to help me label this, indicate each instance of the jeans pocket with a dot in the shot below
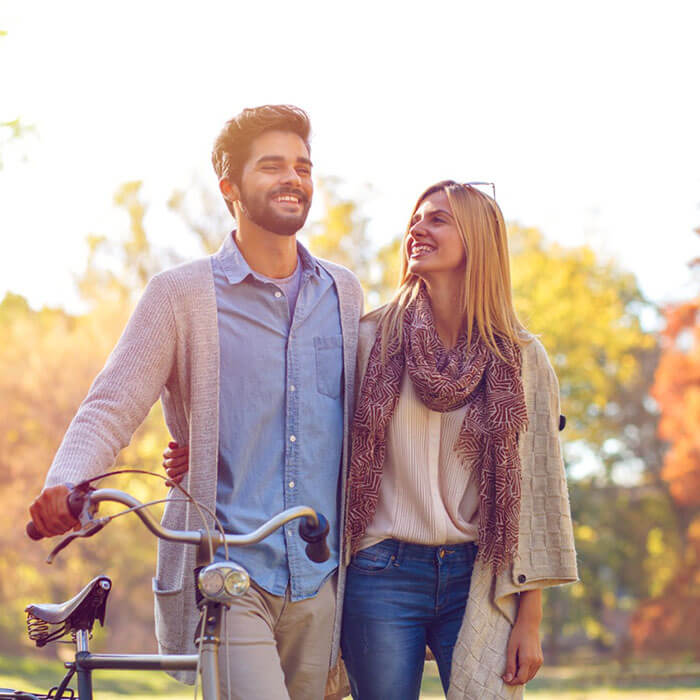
(329, 364)
(373, 560)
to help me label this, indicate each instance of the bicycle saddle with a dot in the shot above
(78, 613)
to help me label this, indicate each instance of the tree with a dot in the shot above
(47, 361)
(586, 309)
(47, 364)
(669, 621)
(203, 213)
(341, 232)
(117, 270)
(14, 130)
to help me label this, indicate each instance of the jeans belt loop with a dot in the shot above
(399, 552)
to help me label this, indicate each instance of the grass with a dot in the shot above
(604, 682)
(608, 682)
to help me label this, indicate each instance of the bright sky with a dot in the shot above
(585, 115)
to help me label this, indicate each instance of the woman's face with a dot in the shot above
(433, 245)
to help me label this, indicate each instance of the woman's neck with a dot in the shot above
(444, 299)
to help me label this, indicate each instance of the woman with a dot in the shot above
(456, 418)
(458, 513)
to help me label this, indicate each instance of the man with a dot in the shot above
(253, 354)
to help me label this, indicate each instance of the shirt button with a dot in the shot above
(290, 532)
(292, 438)
(278, 294)
(291, 484)
(292, 388)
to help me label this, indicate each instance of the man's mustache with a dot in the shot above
(300, 194)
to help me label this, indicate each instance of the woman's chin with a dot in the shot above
(416, 266)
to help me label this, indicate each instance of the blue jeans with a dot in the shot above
(398, 598)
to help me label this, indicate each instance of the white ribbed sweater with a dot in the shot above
(426, 495)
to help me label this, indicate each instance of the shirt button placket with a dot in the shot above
(292, 425)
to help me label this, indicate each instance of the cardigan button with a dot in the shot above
(522, 578)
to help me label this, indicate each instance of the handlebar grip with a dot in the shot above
(317, 547)
(75, 501)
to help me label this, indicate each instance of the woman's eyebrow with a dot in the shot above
(431, 212)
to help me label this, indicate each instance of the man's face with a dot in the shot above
(276, 187)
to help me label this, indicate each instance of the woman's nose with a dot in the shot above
(417, 230)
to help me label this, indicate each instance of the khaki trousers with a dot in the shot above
(277, 649)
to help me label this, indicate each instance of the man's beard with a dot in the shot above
(260, 210)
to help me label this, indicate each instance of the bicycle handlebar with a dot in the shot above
(313, 528)
(75, 500)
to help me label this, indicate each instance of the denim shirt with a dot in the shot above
(280, 415)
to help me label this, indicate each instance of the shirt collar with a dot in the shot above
(236, 267)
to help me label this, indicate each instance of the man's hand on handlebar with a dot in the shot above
(50, 513)
(176, 461)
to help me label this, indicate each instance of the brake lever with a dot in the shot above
(80, 496)
(92, 527)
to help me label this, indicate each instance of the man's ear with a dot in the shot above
(229, 190)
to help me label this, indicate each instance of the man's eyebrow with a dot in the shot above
(281, 159)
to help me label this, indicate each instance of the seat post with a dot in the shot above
(84, 674)
(82, 640)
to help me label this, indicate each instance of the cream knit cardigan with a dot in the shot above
(546, 554)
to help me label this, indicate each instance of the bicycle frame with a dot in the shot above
(209, 632)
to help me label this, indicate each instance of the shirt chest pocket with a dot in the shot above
(329, 364)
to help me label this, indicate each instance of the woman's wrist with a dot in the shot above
(530, 609)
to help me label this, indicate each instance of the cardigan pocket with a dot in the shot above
(169, 614)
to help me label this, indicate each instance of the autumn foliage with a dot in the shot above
(677, 391)
(670, 621)
(636, 540)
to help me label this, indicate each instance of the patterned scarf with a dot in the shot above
(444, 380)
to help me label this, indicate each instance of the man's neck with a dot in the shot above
(268, 253)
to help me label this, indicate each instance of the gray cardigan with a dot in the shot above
(170, 348)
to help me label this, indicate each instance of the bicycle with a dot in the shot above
(218, 584)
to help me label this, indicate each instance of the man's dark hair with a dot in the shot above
(232, 145)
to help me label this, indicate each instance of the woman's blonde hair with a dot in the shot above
(485, 297)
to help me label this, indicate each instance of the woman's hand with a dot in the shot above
(524, 653)
(176, 461)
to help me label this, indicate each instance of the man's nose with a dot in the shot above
(291, 176)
